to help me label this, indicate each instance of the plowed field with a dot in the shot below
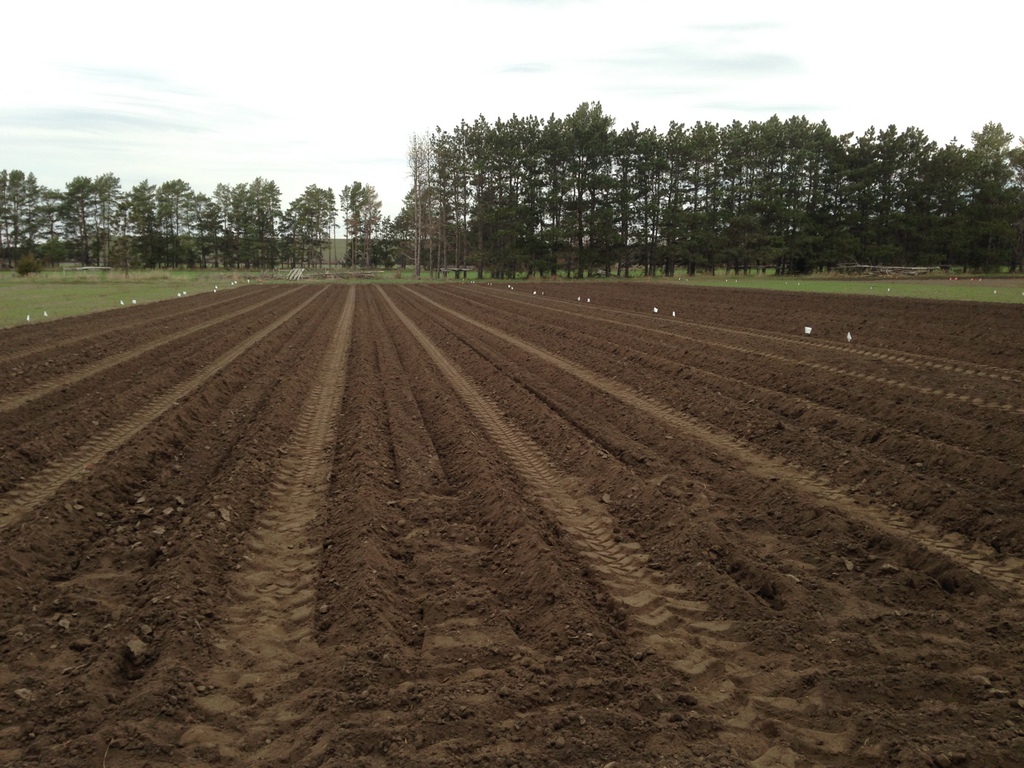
(474, 525)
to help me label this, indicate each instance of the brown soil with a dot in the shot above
(471, 525)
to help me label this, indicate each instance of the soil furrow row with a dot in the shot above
(845, 443)
(268, 635)
(56, 340)
(32, 492)
(757, 464)
(743, 549)
(910, 359)
(960, 343)
(998, 441)
(423, 624)
(844, 432)
(836, 579)
(845, 437)
(137, 553)
(735, 494)
(958, 468)
(513, 530)
(18, 399)
(669, 625)
(898, 384)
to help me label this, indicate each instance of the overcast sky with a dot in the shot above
(308, 92)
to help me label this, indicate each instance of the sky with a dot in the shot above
(306, 92)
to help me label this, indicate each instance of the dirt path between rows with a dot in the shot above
(268, 627)
(460, 525)
(1005, 574)
(42, 486)
(670, 622)
(13, 402)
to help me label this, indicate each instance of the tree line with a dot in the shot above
(94, 222)
(575, 194)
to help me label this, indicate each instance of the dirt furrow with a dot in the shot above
(819, 491)
(842, 432)
(35, 490)
(668, 617)
(953, 392)
(955, 465)
(528, 537)
(945, 332)
(835, 439)
(58, 337)
(18, 399)
(628, 344)
(139, 551)
(267, 636)
(438, 584)
(831, 586)
(679, 469)
(909, 359)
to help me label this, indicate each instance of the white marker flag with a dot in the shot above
(807, 330)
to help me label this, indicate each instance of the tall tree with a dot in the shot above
(420, 157)
(589, 136)
(308, 223)
(452, 189)
(21, 200)
(264, 215)
(208, 217)
(141, 221)
(174, 211)
(361, 208)
(78, 216)
(225, 199)
(108, 193)
(994, 200)
(1017, 164)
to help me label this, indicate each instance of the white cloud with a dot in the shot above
(305, 93)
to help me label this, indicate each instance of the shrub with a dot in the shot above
(28, 264)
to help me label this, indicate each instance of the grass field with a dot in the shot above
(61, 293)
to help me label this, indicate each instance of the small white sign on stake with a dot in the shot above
(807, 330)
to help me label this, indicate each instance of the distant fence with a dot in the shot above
(880, 269)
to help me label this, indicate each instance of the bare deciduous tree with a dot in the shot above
(421, 161)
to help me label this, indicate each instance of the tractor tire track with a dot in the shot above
(12, 402)
(36, 490)
(669, 620)
(268, 634)
(818, 492)
(913, 361)
(71, 339)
